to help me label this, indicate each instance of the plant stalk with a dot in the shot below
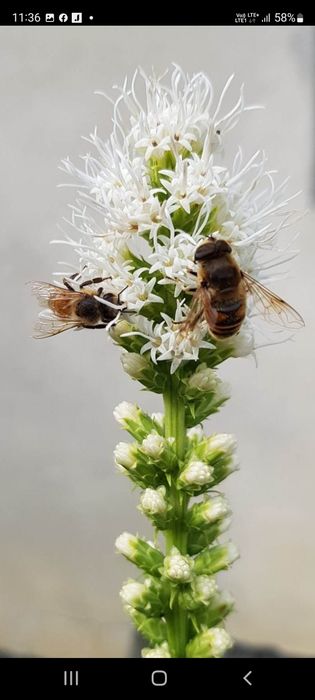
(176, 536)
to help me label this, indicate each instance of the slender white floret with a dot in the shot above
(151, 193)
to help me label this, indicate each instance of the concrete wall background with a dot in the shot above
(61, 502)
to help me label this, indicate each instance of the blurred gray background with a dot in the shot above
(62, 504)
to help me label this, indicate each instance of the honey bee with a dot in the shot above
(67, 308)
(221, 295)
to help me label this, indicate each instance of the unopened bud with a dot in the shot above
(211, 643)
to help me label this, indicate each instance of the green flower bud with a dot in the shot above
(155, 507)
(134, 593)
(135, 421)
(220, 444)
(218, 608)
(126, 412)
(177, 567)
(152, 628)
(140, 552)
(159, 652)
(215, 558)
(150, 597)
(206, 380)
(153, 445)
(198, 593)
(153, 501)
(195, 434)
(125, 455)
(134, 364)
(158, 418)
(119, 329)
(195, 475)
(211, 643)
(209, 511)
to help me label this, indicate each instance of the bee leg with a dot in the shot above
(121, 291)
(94, 280)
(66, 284)
(100, 325)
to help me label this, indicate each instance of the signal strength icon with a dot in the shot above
(267, 18)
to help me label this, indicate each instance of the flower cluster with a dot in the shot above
(186, 580)
(151, 193)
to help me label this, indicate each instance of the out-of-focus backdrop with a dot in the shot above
(61, 502)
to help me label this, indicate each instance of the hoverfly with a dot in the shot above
(221, 295)
(67, 308)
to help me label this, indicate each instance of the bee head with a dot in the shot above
(212, 248)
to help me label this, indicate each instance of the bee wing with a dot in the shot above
(46, 292)
(210, 313)
(271, 306)
(49, 324)
(201, 307)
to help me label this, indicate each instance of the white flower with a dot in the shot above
(140, 293)
(133, 592)
(153, 445)
(126, 411)
(196, 473)
(126, 544)
(177, 567)
(151, 192)
(153, 502)
(158, 652)
(124, 455)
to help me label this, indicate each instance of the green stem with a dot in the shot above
(176, 536)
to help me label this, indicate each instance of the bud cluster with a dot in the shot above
(185, 579)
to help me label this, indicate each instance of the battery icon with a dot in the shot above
(300, 18)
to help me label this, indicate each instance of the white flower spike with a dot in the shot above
(170, 233)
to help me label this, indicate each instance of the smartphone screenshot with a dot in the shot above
(157, 442)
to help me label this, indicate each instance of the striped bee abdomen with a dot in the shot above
(230, 316)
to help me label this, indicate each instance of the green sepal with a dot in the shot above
(152, 628)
